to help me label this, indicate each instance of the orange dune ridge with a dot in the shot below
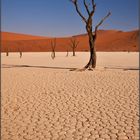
(15, 36)
(107, 40)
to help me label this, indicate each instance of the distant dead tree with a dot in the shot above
(73, 44)
(67, 52)
(20, 52)
(7, 52)
(90, 9)
(53, 46)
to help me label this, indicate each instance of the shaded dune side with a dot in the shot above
(107, 40)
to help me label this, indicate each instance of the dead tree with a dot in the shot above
(73, 44)
(92, 36)
(53, 46)
(7, 52)
(20, 52)
(67, 52)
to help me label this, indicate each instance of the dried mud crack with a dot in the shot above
(63, 105)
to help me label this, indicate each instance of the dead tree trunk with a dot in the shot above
(73, 43)
(20, 54)
(73, 50)
(20, 51)
(7, 52)
(92, 37)
(53, 46)
(92, 60)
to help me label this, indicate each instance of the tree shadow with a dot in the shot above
(29, 66)
(121, 68)
(70, 69)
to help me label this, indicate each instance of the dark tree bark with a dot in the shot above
(73, 44)
(53, 46)
(7, 52)
(20, 54)
(92, 36)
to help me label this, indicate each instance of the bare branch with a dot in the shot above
(89, 21)
(102, 20)
(76, 44)
(93, 8)
(73, 1)
(93, 3)
(73, 42)
(78, 11)
(86, 6)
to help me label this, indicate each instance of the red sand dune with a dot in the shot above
(15, 36)
(107, 40)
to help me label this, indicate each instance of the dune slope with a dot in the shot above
(7, 36)
(107, 40)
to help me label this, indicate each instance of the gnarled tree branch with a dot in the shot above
(93, 8)
(78, 11)
(102, 20)
(86, 6)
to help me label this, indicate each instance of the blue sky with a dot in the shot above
(59, 18)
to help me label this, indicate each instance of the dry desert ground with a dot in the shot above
(41, 99)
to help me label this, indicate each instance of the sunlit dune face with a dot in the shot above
(15, 36)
